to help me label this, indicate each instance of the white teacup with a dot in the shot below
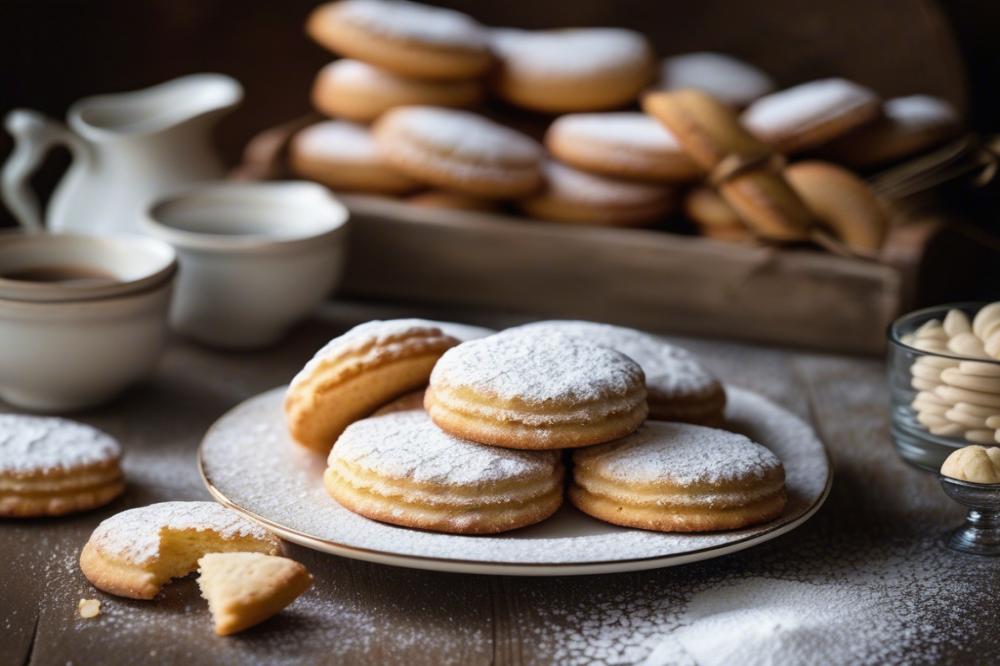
(81, 317)
(255, 258)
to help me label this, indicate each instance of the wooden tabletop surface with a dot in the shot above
(875, 545)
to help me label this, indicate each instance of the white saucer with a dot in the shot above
(249, 463)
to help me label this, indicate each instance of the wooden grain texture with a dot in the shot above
(881, 513)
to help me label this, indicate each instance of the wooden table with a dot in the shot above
(879, 535)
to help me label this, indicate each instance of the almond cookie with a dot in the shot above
(811, 114)
(909, 125)
(728, 79)
(620, 145)
(574, 69)
(677, 477)
(402, 469)
(571, 195)
(51, 466)
(136, 552)
(459, 151)
(357, 91)
(343, 156)
(407, 38)
(244, 589)
(536, 390)
(679, 387)
(357, 372)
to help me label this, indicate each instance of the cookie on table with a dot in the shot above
(811, 114)
(572, 195)
(244, 589)
(536, 390)
(459, 151)
(714, 217)
(678, 477)
(728, 79)
(909, 125)
(628, 145)
(51, 467)
(679, 387)
(357, 372)
(135, 552)
(354, 90)
(407, 38)
(441, 199)
(402, 469)
(573, 69)
(343, 156)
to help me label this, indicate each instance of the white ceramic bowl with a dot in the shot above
(254, 257)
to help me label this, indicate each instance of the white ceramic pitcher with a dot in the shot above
(128, 149)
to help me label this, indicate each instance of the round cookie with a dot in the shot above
(728, 79)
(357, 372)
(714, 217)
(402, 469)
(343, 156)
(571, 195)
(357, 91)
(620, 145)
(441, 199)
(536, 390)
(135, 552)
(51, 467)
(407, 38)
(677, 477)
(574, 69)
(811, 114)
(459, 151)
(678, 386)
(974, 464)
(909, 125)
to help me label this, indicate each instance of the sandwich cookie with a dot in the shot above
(728, 79)
(677, 477)
(536, 390)
(407, 38)
(402, 469)
(52, 466)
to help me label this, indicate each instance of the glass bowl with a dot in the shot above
(926, 425)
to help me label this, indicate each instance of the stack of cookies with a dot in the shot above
(471, 433)
(711, 141)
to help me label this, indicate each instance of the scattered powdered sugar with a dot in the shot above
(565, 182)
(806, 105)
(401, 19)
(670, 370)
(682, 454)
(631, 130)
(571, 51)
(407, 445)
(537, 367)
(726, 78)
(31, 444)
(134, 535)
(920, 112)
(339, 140)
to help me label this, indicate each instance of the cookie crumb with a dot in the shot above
(89, 608)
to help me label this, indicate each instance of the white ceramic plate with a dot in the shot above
(249, 463)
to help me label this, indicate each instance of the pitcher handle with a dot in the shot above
(34, 136)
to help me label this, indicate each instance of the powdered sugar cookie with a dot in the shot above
(676, 477)
(811, 114)
(357, 91)
(536, 390)
(459, 151)
(575, 69)
(728, 79)
(359, 371)
(571, 195)
(452, 201)
(51, 466)
(679, 387)
(403, 37)
(402, 469)
(343, 156)
(909, 125)
(135, 552)
(620, 145)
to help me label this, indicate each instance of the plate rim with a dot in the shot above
(458, 565)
